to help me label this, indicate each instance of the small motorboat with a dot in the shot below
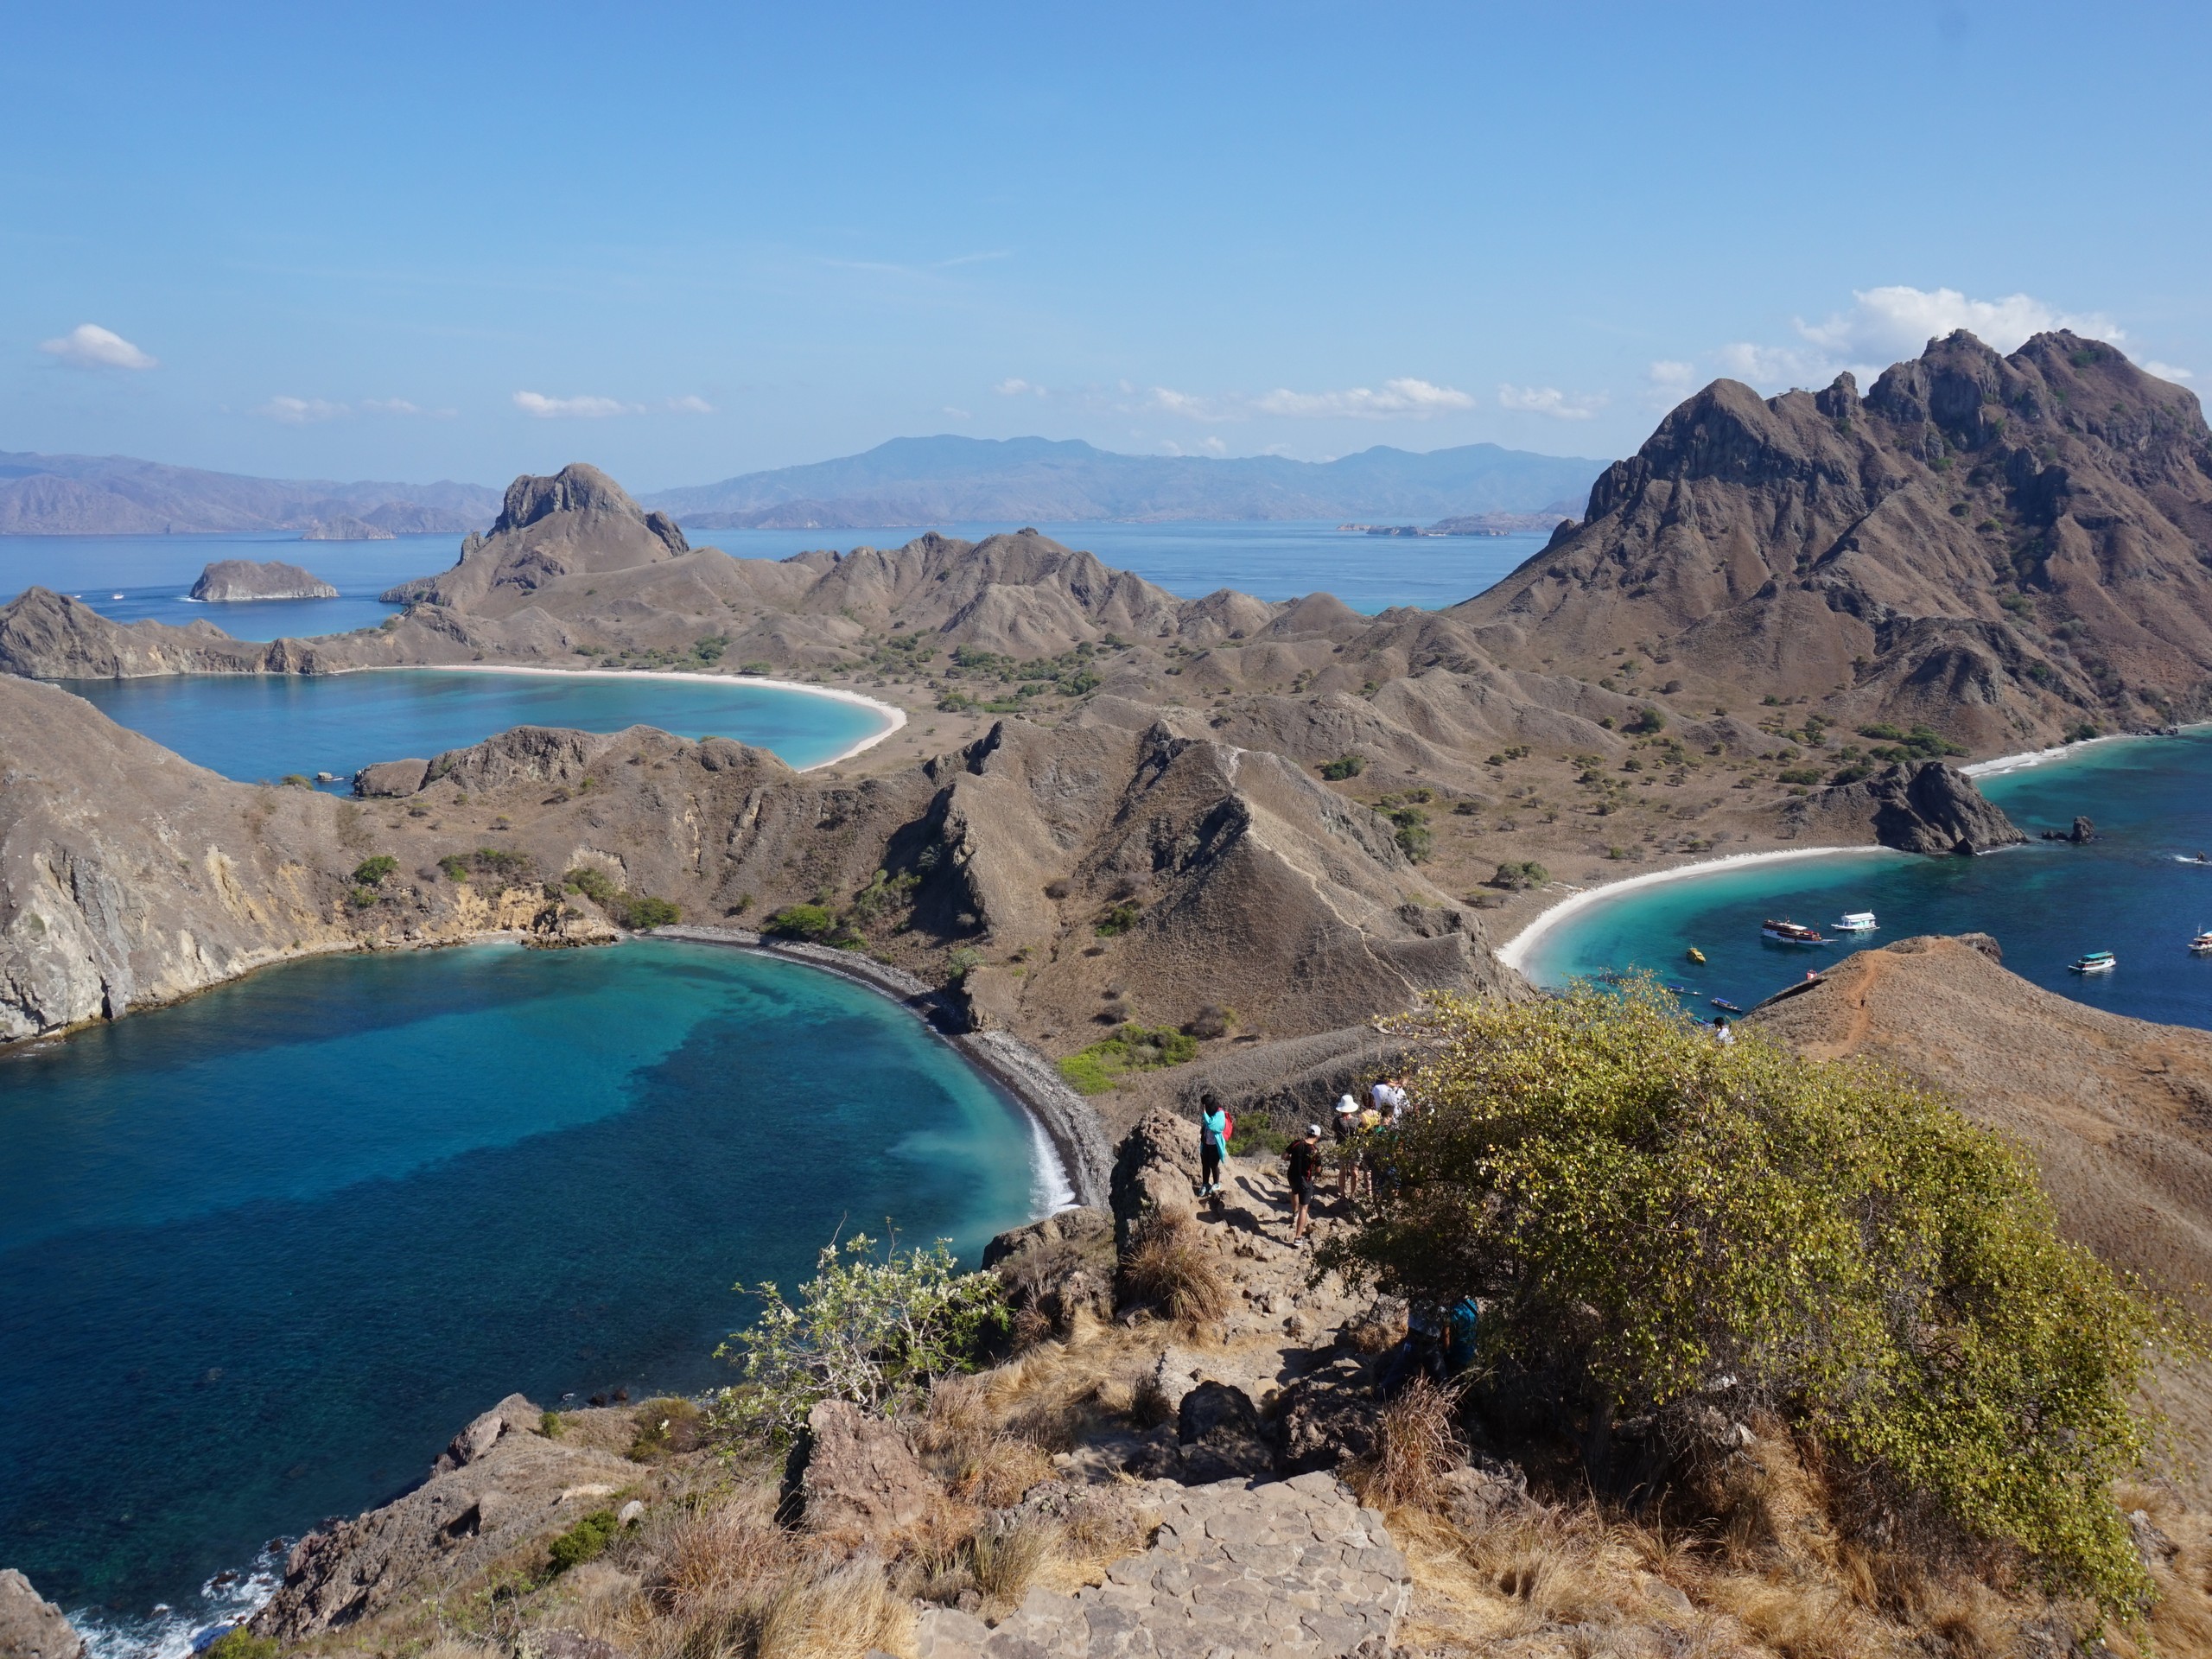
(1855, 921)
(1789, 933)
(1724, 1005)
(2094, 962)
(2202, 944)
(1695, 956)
(1680, 991)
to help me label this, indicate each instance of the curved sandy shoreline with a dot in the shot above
(895, 716)
(1514, 952)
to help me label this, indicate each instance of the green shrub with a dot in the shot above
(666, 1427)
(595, 885)
(587, 1540)
(454, 866)
(1516, 877)
(242, 1643)
(1652, 1212)
(1255, 1133)
(1921, 743)
(372, 870)
(963, 961)
(1800, 775)
(1343, 766)
(873, 1331)
(2081, 734)
(363, 898)
(814, 923)
(1132, 1047)
(550, 1425)
(1648, 720)
(641, 911)
(297, 780)
(1118, 920)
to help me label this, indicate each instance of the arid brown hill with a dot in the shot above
(2007, 548)
(1126, 872)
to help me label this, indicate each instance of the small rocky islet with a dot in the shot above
(1262, 826)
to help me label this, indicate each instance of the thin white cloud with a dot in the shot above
(1774, 366)
(1405, 398)
(959, 413)
(301, 411)
(1210, 445)
(582, 408)
(2167, 372)
(1015, 386)
(389, 406)
(1551, 401)
(1670, 376)
(88, 345)
(985, 258)
(691, 405)
(1885, 324)
(1168, 401)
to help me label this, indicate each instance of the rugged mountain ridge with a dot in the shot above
(952, 479)
(2007, 547)
(115, 495)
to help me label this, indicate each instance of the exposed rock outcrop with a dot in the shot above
(1057, 1268)
(1917, 807)
(519, 1487)
(226, 580)
(32, 1627)
(861, 1478)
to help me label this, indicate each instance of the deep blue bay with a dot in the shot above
(2133, 891)
(262, 1252)
(260, 727)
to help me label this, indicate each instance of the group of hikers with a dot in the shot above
(1361, 1144)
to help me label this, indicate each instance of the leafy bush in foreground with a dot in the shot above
(874, 1331)
(1654, 1213)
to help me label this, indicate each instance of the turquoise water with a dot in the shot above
(255, 726)
(2129, 891)
(1270, 561)
(262, 1253)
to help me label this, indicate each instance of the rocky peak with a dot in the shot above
(579, 488)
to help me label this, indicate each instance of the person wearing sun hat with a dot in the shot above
(1345, 1124)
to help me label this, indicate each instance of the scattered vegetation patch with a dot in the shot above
(1518, 877)
(666, 1428)
(1169, 1267)
(816, 923)
(243, 1643)
(1921, 743)
(1131, 1047)
(1214, 1020)
(371, 872)
(635, 911)
(1345, 765)
(1119, 918)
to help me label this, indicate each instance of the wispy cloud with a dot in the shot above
(2167, 372)
(1015, 386)
(1551, 401)
(301, 411)
(88, 345)
(985, 258)
(400, 406)
(581, 407)
(959, 413)
(1210, 445)
(1885, 325)
(691, 405)
(1402, 399)
(1670, 375)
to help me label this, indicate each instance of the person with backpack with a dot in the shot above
(1303, 1159)
(1215, 1127)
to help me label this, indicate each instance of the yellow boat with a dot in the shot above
(1696, 956)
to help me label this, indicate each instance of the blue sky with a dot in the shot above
(414, 241)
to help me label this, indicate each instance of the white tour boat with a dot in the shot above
(1855, 921)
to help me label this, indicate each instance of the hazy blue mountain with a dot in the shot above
(950, 479)
(114, 495)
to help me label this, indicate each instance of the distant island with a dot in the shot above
(227, 580)
(115, 495)
(346, 529)
(1478, 524)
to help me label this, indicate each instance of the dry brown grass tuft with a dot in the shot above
(1797, 1617)
(1416, 1443)
(1007, 1560)
(1170, 1267)
(836, 1610)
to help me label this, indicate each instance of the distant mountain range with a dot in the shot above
(949, 481)
(908, 482)
(114, 495)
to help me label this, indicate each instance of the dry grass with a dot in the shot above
(1416, 1443)
(1170, 1267)
(835, 1611)
(1007, 1560)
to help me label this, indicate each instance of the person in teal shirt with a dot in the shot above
(1213, 1145)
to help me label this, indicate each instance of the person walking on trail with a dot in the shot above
(1302, 1156)
(1721, 1034)
(1343, 1134)
(1213, 1145)
(1390, 1097)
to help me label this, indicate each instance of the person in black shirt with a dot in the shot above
(1302, 1157)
